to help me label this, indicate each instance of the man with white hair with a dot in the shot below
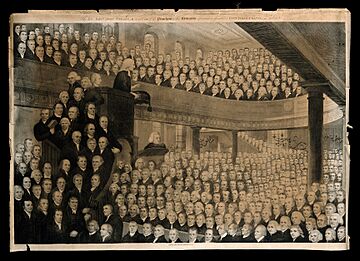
(96, 79)
(123, 79)
(72, 149)
(41, 129)
(63, 136)
(21, 49)
(174, 236)
(74, 81)
(64, 100)
(260, 233)
(133, 236)
(159, 234)
(90, 92)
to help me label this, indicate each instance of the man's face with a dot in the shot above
(58, 216)
(39, 51)
(17, 29)
(37, 151)
(107, 210)
(132, 227)
(340, 196)
(313, 237)
(321, 221)
(73, 113)
(73, 204)
(182, 77)
(95, 181)
(57, 56)
(44, 204)
(91, 227)
(78, 94)
(18, 193)
(23, 36)
(65, 124)
(21, 48)
(47, 185)
(147, 229)
(104, 122)
(57, 197)
(150, 71)
(157, 139)
(22, 168)
(188, 85)
(102, 143)
(78, 181)
(91, 109)
(174, 81)
(96, 162)
(31, 45)
(28, 206)
(18, 158)
(91, 144)
(73, 59)
(47, 39)
(34, 164)
(82, 162)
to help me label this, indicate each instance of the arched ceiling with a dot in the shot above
(218, 36)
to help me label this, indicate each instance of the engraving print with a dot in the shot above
(138, 129)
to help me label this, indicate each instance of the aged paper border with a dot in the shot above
(171, 16)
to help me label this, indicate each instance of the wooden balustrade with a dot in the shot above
(38, 85)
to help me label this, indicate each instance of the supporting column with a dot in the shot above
(180, 137)
(196, 140)
(122, 33)
(135, 147)
(136, 127)
(234, 144)
(315, 114)
(344, 147)
(188, 138)
(170, 135)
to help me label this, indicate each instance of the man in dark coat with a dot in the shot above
(74, 220)
(133, 236)
(25, 224)
(159, 234)
(72, 149)
(147, 233)
(56, 229)
(123, 80)
(114, 221)
(92, 234)
(42, 131)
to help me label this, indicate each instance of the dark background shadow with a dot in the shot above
(21, 6)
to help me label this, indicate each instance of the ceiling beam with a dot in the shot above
(289, 44)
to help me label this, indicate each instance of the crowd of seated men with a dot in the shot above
(92, 195)
(252, 74)
(83, 138)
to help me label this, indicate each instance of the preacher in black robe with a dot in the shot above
(123, 80)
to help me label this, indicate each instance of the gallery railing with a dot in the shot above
(38, 85)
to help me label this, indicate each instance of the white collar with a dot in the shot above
(261, 238)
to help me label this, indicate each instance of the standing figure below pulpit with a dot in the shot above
(155, 147)
(154, 151)
(155, 144)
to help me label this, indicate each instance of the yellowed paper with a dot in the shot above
(269, 144)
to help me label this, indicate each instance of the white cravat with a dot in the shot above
(58, 224)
